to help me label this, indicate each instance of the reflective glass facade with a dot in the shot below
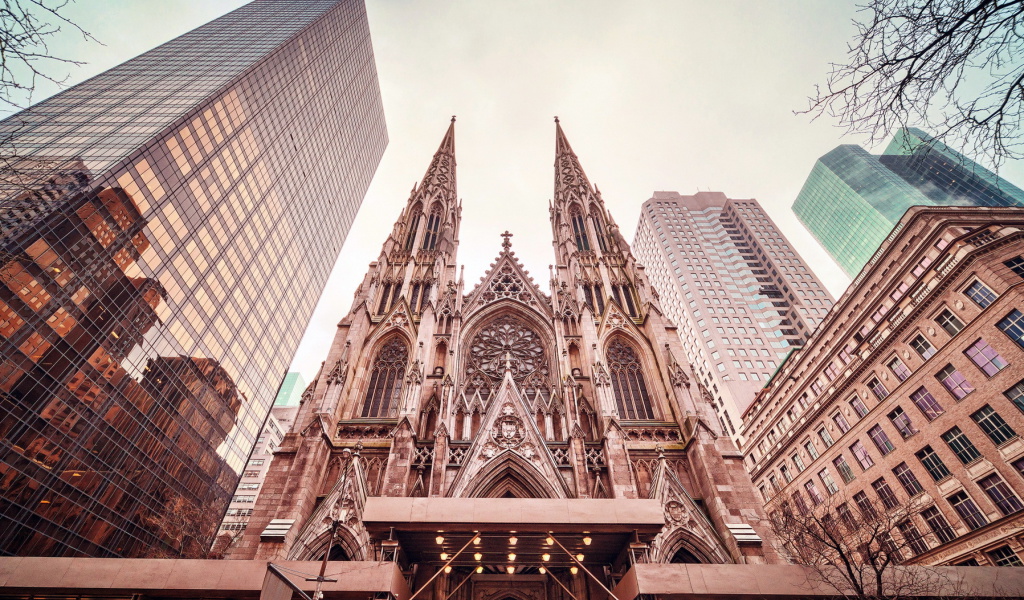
(852, 199)
(157, 220)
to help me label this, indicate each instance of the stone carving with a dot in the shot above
(507, 339)
(677, 375)
(508, 430)
(339, 372)
(601, 375)
(507, 283)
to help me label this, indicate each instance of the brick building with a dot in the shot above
(912, 392)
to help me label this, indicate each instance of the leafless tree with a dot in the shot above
(190, 530)
(855, 551)
(954, 67)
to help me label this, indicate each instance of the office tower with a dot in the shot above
(559, 430)
(291, 389)
(852, 199)
(910, 396)
(741, 295)
(157, 222)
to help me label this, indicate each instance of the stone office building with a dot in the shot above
(911, 393)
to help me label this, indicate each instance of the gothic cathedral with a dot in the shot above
(503, 436)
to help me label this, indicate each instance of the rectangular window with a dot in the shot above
(828, 482)
(998, 430)
(1016, 395)
(968, 510)
(932, 463)
(846, 516)
(927, 403)
(907, 479)
(955, 382)
(1004, 556)
(797, 462)
(844, 426)
(248, 486)
(901, 421)
(912, 536)
(961, 445)
(985, 357)
(877, 389)
(812, 491)
(981, 294)
(1001, 495)
(885, 493)
(248, 499)
(256, 462)
(251, 474)
(1016, 264)
(785, 473)
(899, 369)
(938, 524)
(811, 450)
(798, 500)
(858, 406)
(1013, 326)
(864, 504)
(881, 440)
(843, 468)
(862, 456)
(949, 322)
(825, 437)
(923, 347)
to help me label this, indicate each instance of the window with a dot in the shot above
(885, 493)
(938, 524)
(844, 468)
(811, 450)
(985, 357)
(864, 504)
(1004, 556)
(825, 437)
(923, 347)
(1016, 264)
(970, 562)
(862, 456)
(1001, 495)
(797, 462)
(907, 479)
(774, 482)
(1013, 326)
(828, 482)
(955, 382)
(844, 426)
(932, 463)
(877, 389)
(599, 232)
(993, 425)
(244, 499)
(414, 224)
(927, 403)
(899, 369)
(628, 382)
(901, 421)
(812, 491)
(968, 510)
(858, 406)
(881, 440)
(981, 294)
(248, 486)
(385, 388)
(961, 445)
(798, 500)
(251, 474)
(949, 322)
(912, 536)
(433, 228)
(785, 473)
(579, 230)
(846, 516)
(257, 462)
(1016, 395)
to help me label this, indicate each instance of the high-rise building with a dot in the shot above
(291, 389)
(157, 220)
(852, 199)
(908, 400)
(501, 434)
(742, 297)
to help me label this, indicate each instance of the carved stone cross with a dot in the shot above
(506, 243)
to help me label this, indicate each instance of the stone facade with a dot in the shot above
(914, 381)
(433, 394)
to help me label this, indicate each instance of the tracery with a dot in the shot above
(509, 340)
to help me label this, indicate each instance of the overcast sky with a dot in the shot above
(669, 95)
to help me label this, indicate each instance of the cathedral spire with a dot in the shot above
(570, 180)
(440, 176)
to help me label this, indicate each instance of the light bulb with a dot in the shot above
(573, 570)
(448, 569)
(579, 557)
(512, 540)
(542, 570)
(510, 569)
(546, 557)
(478, 556)
(439, 539)
(511, 556)
(476, 540)
(480, 569)
(444, 556)
(586, 540)
(549, 541)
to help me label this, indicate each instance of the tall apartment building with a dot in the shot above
(279, 422)
(157, 219)
(741, 295)
(852, 199)
(909, 398)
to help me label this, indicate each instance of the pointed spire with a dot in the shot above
(568, 171)
(441, 173)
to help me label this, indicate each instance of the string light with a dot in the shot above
(439, 539)
(546, 557)
(573, 570)
(478, 556)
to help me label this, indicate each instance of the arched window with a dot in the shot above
(628, 382)
(602, 243)
(433, 228)
(386, 380)
(579, 229)
(414, 224)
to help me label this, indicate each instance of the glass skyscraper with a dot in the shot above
(158, 220)
(852, 199)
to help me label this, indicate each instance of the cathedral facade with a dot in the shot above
(507, 440)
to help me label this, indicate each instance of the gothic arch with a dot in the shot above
(510, 475)
(631, 378)
(315, 547)
(578, 223)
(385, 373)
(680, 542)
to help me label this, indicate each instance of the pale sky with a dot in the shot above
(653, 95)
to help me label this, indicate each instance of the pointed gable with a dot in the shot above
(686, 525)
(506, 278)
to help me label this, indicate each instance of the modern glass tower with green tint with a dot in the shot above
(852, 199)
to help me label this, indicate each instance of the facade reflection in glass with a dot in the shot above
(157, 222)
(852, 199)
